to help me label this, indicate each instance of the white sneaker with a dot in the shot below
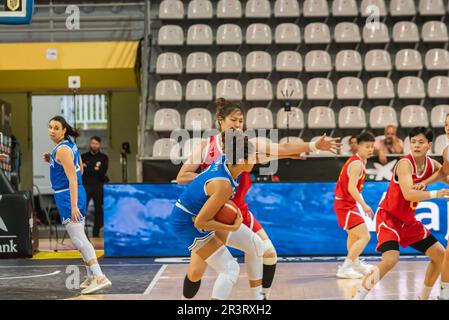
(87, 281)
(348, 273)
(97, 284)
(362, 267)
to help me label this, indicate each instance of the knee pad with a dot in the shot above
(80, 241)
(224, 264)
(190, 288)
(246, 240)
(268, 246)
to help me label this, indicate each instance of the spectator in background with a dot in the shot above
(95, 167)
(3, 157)
(353, 145)
(391, 144)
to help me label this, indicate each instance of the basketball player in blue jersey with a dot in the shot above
(194, 223)
(70, 197)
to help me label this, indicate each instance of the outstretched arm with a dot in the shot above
(188, 170)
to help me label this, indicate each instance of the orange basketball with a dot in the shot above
(227, 213)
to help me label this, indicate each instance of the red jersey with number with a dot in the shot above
(213, 151)
(394, 202)
(343, 199)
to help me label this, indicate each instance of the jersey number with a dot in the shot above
(413, 205)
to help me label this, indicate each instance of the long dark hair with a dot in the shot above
(70, 132)
(236, 146)
(225, 108)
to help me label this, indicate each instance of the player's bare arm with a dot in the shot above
(355, 172)
(188, 170)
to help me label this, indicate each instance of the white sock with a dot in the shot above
(256, 293)
(96, 270)
(89, 272)
(347, 263)
(361, 293)
(444, 290)
(425, 293)
(356, 261)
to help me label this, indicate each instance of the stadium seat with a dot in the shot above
(438, 115)
(259, 90)
(167, 120)
(348, 61)
(291, 140)
(258, 62)
(321, 153)
(437, 59)
(377, 60)
(229, 62)
(288, 61)
(321, 118)
(382, 116)
(258, 9)
(259, 118)
(414, 116)
(199, 62)
(407, 147)
(199, 90)
(295, 119)
(169, 63)
(287, 33)
(344, 8)
(380, 88)
(345, 147)
(200, 9)
(352, 117)
(199, 34)
(320, 89)
(317, 33)
(438, 87)
(229, 9)
(192, 145)
(198, 117)
(431, 8)
(229, 34)
(347, 32)
(373, 7)
(286, 9)
(350, 88)
(258, 33)
(168, 90)
(166, 148)
(290, 87)
(378, 34)
(411, 88)
(402, 8)
(318, 61)
(315, 8)
(230, 89)
(170, 35)
(405, 32)
(171, 10)
(441, 142)
(434, 31)
(408, 60)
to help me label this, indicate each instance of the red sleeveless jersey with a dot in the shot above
(342, 194)
(394, 202)
(213, 151)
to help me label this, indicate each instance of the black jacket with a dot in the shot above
(95, 168)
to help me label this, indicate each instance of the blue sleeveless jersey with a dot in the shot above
(194, 196)
(58, 177)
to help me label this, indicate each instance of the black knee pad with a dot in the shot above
(268, 275)
(190, 288)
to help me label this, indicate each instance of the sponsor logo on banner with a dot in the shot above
(10, 246)
(13, 5)
(381, 172)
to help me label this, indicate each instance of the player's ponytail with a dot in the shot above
(70, 132)
(224, 108)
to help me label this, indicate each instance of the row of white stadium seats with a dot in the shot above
(291, 61)
(167, 148)
(351, 117)
(314, 33)
(349, 88)
(232, 9)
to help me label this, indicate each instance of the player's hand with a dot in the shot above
(298, 157)
(420, 186)
(328, 144)
(46, 156)
(3, 157)
(77, 216)
(443, 193)
(237, 222)
(368, 211)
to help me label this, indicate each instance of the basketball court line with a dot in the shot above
(155, 279)
(32, 276)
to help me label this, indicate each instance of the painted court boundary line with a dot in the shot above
(155, 279)
(33, 276)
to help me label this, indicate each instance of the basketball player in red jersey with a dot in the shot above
(347, 195)
(230, 116)
(395, 222)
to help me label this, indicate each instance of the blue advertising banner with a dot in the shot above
(298, 217)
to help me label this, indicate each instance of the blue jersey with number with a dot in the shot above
(58, 177)
(194, 196)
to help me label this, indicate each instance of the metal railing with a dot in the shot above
(85, 109)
